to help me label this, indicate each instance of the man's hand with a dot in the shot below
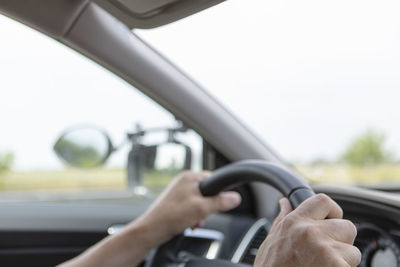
(181, 206)
(314, 234)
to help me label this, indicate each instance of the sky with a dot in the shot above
(306, 76)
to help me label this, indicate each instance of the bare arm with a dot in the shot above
(180, 206)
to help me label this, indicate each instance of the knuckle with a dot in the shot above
(198, 206)
(186, 175)
(340, 211)
(324, 199)
(309, 233)
(205, 174)
(190, 177)
(325, 250)
(202, 209)
(288, 221)
(350, 227)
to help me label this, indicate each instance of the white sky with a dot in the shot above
(307, 76)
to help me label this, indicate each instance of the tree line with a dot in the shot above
(367, 149)
(6, 161)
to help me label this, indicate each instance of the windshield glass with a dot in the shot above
(316, 80)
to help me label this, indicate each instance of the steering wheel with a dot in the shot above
(225, 178)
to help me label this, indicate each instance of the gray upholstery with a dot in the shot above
(53, 17)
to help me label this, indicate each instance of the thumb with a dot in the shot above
(223, 201)
(285, 208)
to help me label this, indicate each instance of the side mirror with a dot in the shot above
(84, 147)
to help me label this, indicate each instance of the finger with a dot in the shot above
(198, 225)
(285, 206)
(320, 207)
(223, 202)
(205, 174)
(351, 254)
(340, 230)
(285, 209)
(202, 175)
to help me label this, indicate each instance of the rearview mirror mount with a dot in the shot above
(157, 161)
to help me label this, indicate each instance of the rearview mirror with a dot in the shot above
(84, 147)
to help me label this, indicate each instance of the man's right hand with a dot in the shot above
(313, 235)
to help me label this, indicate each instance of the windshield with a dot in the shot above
(316, 80)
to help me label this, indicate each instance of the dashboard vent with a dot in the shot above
(247, 250)
(251, 251)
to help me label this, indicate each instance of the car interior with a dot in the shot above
(50, 231)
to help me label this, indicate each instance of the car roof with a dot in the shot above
(56, 16)
(147, 14)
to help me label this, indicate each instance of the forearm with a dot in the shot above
(180, 206)
(126, 248)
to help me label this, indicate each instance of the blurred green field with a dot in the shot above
(115, 179)
(75, 179)
(385, 174)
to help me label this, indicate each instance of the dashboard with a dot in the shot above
(378, 246)
(377, 218)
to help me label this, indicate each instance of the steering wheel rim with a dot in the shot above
(288, 183)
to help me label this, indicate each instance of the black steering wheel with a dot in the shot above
(225, 178)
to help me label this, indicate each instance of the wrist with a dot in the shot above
(152, 232)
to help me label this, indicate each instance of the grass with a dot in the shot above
(75, 179)
(385, 174)
(115, 179)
